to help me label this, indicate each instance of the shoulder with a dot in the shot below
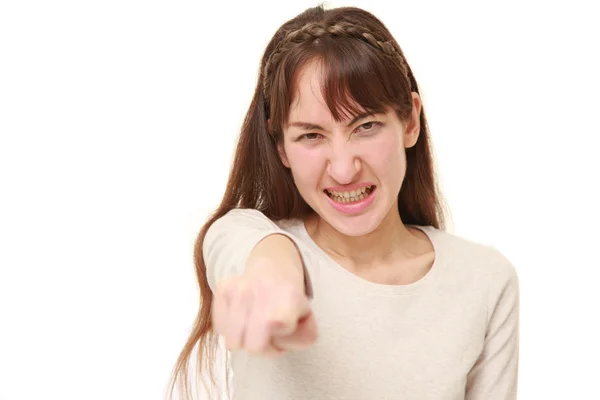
(245, 217)
(242, 214)
(472, 260)
(252, 222)
(293, 226)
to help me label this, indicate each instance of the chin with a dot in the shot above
(353, 231)
(354, 226)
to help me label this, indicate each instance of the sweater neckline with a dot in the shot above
(372, 287)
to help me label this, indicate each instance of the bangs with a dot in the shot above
(351, 84)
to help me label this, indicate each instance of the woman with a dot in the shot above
(326, 268)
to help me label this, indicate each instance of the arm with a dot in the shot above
(494, 375)
(246, 237)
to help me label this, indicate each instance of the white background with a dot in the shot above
(118, 121)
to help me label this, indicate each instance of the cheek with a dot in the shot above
(386, 154)
(306, 165)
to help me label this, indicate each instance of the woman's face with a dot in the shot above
(349, 172)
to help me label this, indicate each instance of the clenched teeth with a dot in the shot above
(350, 196)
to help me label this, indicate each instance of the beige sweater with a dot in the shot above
(452, 335)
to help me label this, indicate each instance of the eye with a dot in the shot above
(310, 137)
(370, 126)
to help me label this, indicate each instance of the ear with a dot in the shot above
(280, 148)
(414, 127)
(282, 155)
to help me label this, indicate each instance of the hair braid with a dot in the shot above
(316, 30)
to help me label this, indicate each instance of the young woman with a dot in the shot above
(326, 268)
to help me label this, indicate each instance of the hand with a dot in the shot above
(263, 313)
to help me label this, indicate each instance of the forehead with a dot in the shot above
(308, 103)
(308, 100)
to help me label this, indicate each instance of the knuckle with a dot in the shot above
(243, 290)
(225, 284)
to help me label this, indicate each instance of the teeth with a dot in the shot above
(350, 196)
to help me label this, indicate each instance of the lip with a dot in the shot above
(354, 208)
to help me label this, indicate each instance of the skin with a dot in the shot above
(374, 243)
(265, 310)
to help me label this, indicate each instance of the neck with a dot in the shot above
(391, 241)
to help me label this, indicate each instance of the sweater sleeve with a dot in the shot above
(494, 375)
(230, 240)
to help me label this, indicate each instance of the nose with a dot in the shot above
(343, 164)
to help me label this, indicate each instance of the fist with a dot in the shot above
(263, 315)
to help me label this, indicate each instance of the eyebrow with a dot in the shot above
(307, 126)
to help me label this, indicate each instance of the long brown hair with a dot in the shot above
(363, 65)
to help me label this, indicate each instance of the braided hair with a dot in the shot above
(316, 30)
